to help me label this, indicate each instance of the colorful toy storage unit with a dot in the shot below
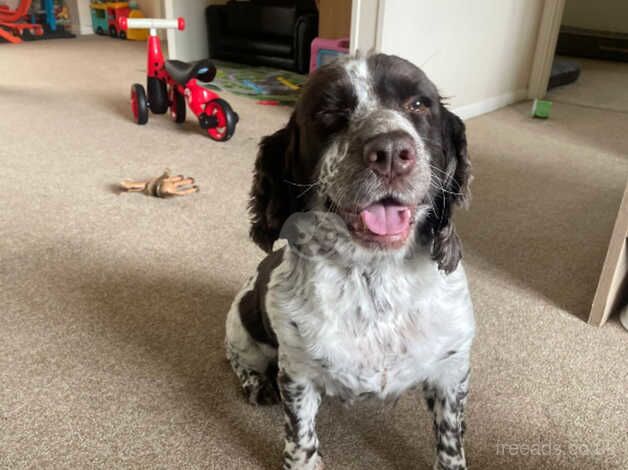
(105, 19)
(99, 18)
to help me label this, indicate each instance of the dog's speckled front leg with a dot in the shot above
(447, 404)
(300, 403)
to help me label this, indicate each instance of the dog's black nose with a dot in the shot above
(390, 155)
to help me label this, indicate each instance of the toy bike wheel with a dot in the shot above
(112, 31)
(157, 95)
(177, 105)
(122, 35)
(224, 118)
(138, 104)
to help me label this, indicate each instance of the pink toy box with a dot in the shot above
(325, 51)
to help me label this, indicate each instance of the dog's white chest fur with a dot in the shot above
(376, 329)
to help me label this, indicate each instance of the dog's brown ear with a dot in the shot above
(459, 177)
(272, 198)
(454, 190)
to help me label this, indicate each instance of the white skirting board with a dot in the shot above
(81, 29)
(486, 106)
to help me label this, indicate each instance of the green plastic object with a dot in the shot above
(541, 109)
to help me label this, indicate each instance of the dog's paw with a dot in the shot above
(450, 464)
(260, 392)
(319, 464)
(314, 463)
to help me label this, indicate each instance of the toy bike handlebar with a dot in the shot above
(151, 23)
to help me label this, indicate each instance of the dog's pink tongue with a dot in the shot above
(383, 219)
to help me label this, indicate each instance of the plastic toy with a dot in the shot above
(324, 51)
(288, 83)
(99, 18)
(11, 25)
(62, 14)
(162, 186)
(116, 10)
(46, 15)
(253, 86)
(171, 83)
(136, 34)
(105, 17)
(541, 109)
(49, 10)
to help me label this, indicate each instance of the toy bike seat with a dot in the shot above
(182, 72)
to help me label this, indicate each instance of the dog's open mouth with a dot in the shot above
(386, 223)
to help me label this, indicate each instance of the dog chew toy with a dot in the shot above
(541, 109)
(162, 186)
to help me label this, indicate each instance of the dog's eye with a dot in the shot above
(418, 105)
(332, 119)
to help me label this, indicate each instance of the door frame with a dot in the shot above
(366, 23)
(365, 26)
(547, 38)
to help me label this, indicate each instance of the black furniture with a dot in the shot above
(564, 72)
(604, 45)
(263, 32)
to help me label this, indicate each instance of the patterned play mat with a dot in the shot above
(265, 84)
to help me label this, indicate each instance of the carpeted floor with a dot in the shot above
(113, 306)
(602, 85)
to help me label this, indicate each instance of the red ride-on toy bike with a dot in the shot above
(172, 83)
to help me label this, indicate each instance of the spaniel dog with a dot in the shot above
(368, 297)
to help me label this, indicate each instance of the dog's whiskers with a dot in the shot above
(436, 184)
(308, 186)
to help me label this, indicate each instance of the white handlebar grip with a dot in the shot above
(151, 23)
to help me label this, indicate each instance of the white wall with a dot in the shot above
(479, 53)
(364, 17)
(600, 15)
(151, 8)
(81, 16)
(190, 44)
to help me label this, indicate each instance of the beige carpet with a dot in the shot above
(602, 84)
(112, 306)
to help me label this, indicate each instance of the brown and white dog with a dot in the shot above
(368, 298)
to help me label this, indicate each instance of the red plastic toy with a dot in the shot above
(171, 83)
(115, 11)
(12, 25)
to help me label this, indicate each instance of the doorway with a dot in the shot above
(581, 62)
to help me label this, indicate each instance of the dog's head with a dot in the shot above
(370, 141)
